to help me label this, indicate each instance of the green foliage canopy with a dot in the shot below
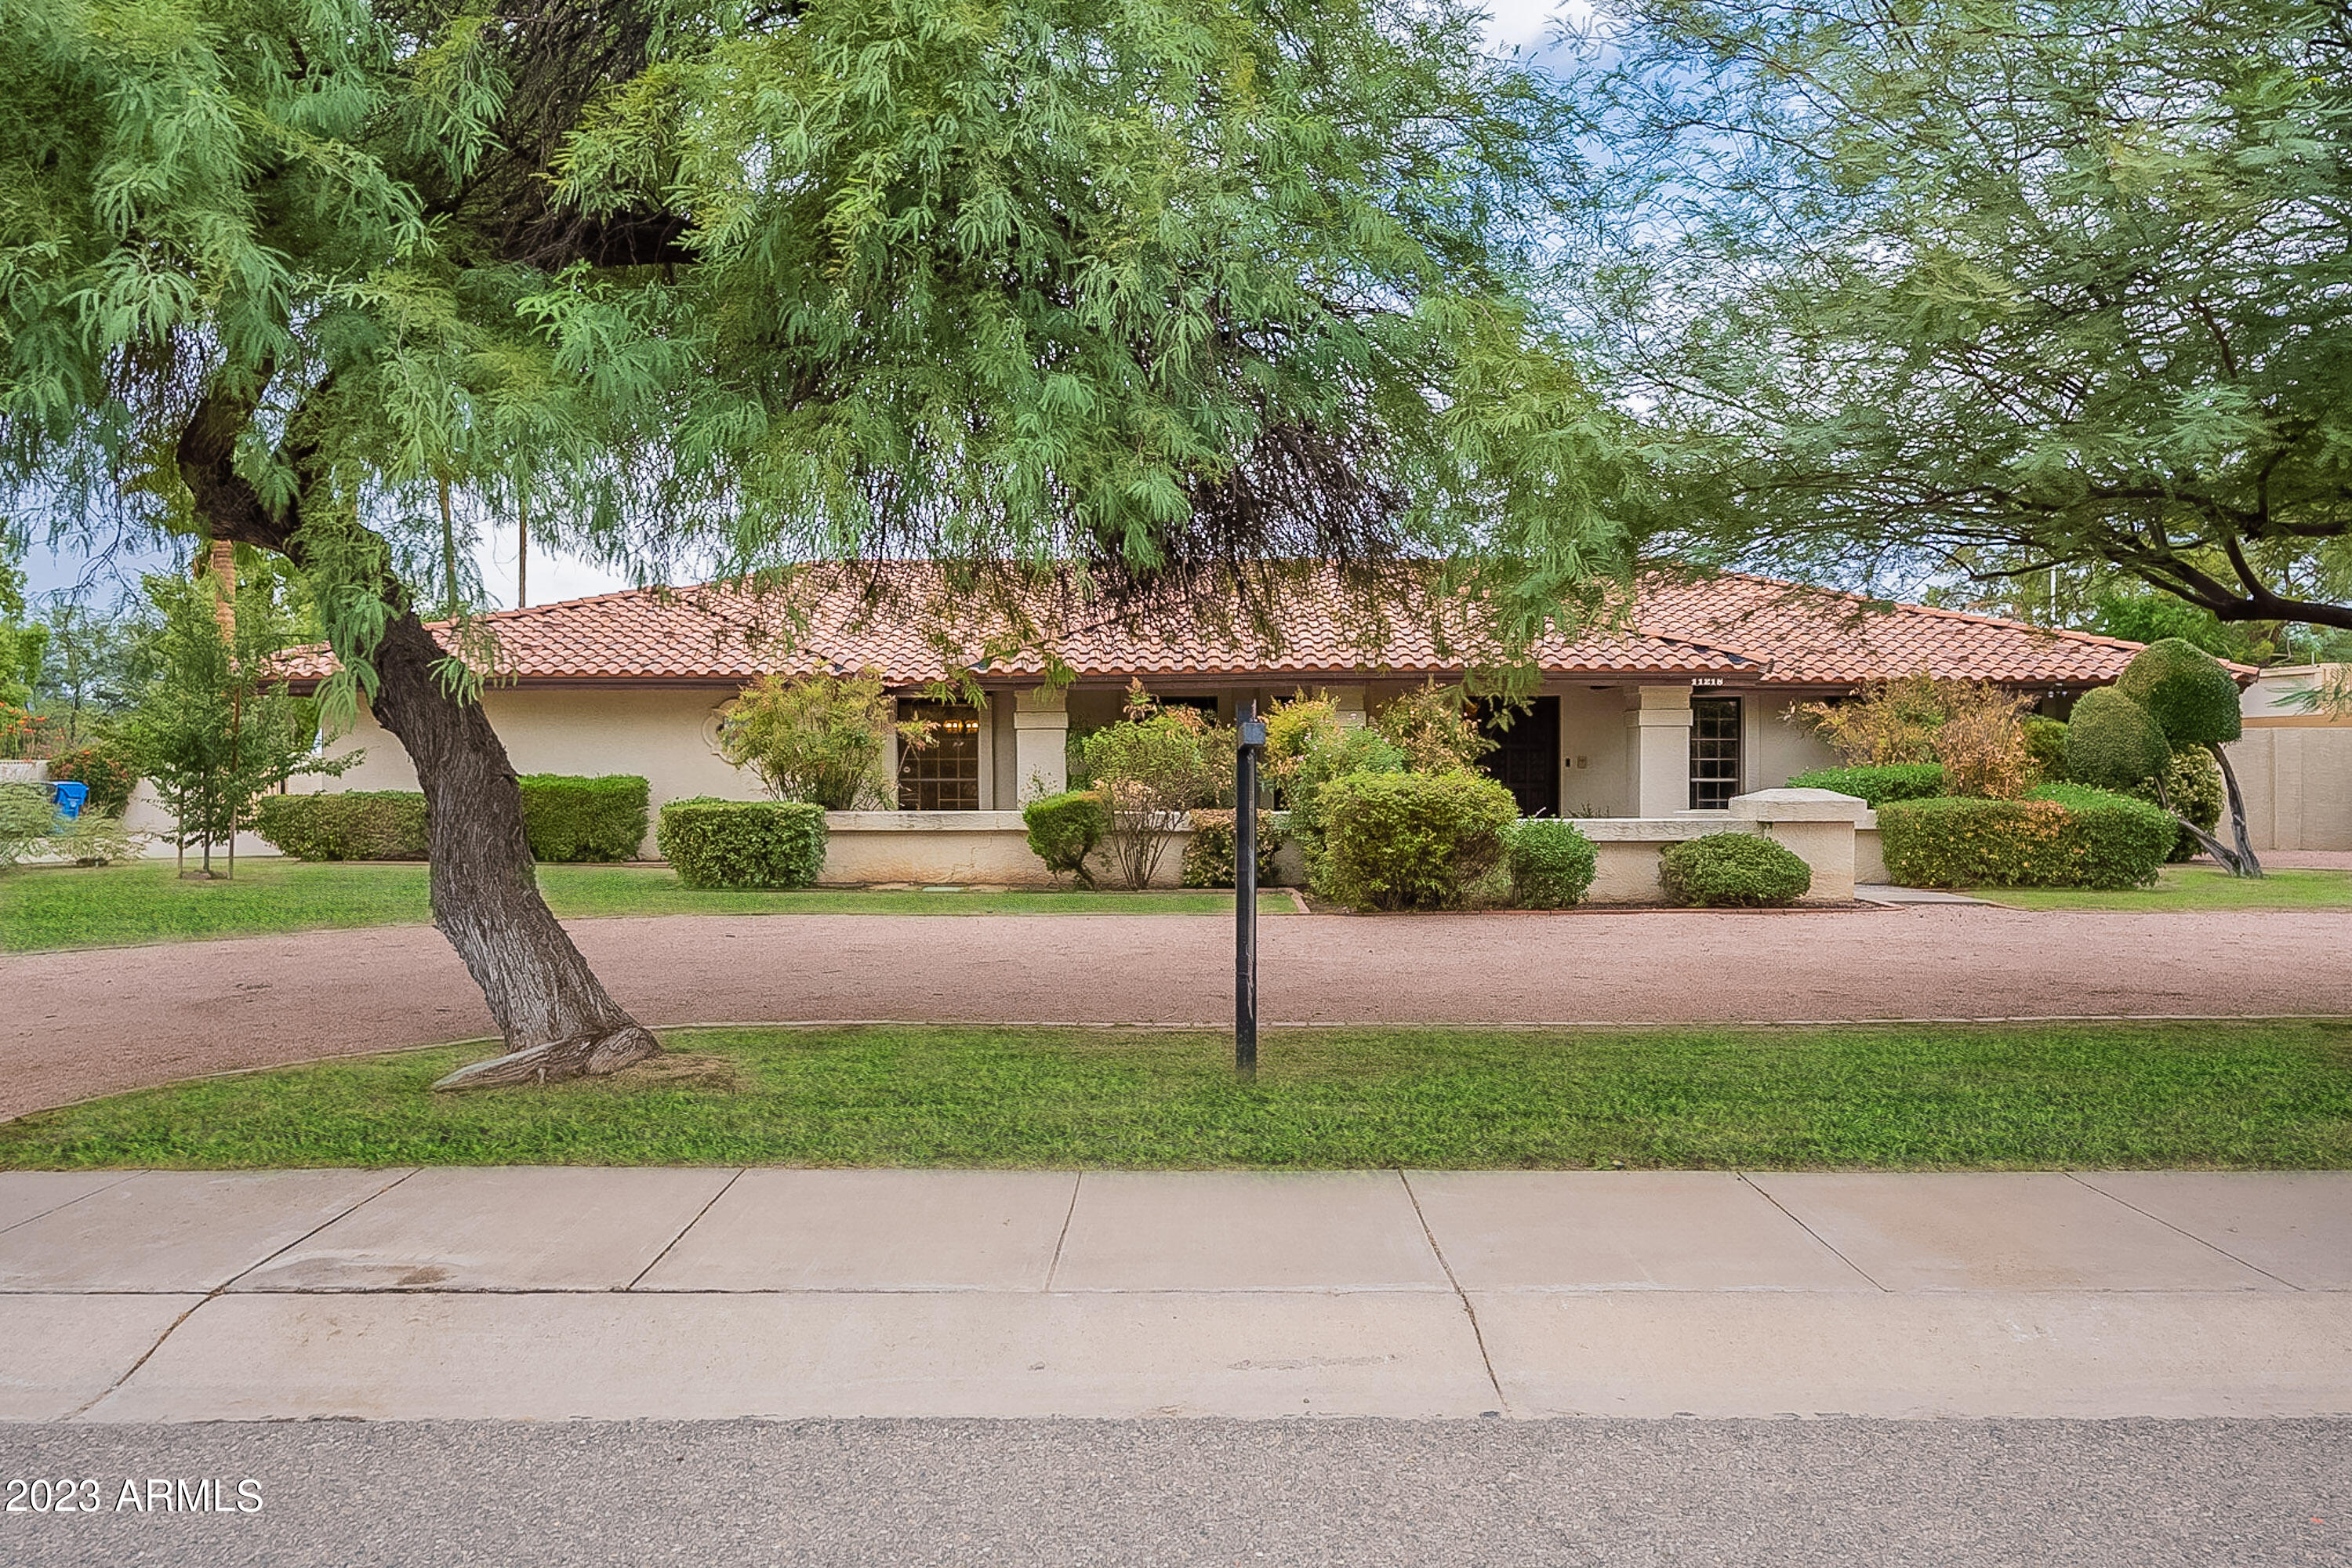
(1163, 291)
(1994, 286)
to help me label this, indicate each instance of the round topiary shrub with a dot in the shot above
(1743, 871)
(1552, 864)
(2192, 698)
(1064, 828)
(1410, 841)
(2045, 744)
(2113, 742)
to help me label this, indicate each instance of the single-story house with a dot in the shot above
(1665, 716)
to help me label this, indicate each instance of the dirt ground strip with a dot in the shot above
(76, 1024)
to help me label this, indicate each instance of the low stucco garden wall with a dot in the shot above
(991, 848)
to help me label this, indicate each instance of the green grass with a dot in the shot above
(2183, 888)
(2269, 1095)
(47, 907)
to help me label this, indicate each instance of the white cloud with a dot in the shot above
(1524, 24)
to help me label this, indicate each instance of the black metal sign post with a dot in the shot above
(1253, 741)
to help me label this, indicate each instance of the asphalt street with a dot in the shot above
(2048, 1494)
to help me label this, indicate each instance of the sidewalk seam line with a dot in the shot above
(685, 1231)
(2178, 1230)
(1477, 1333)
(70, 1202)
(1077, 1179)
(221, 1289)
(1817, 1235)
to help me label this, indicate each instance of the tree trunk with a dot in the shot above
(557, 1021)
(553, 1012)
(2247, 865)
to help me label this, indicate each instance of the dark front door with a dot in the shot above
(1525, 757)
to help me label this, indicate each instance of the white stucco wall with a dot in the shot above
(2297, 784)
(661, 733)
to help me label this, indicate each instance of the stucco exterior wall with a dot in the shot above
(1783, 749)
(661, 733)
(1591, 749)
(2297, 784)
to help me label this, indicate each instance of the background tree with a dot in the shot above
(1993, 287)
(214, 732)
(21, 643)
(1127, 300)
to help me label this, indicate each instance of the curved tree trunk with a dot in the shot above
(2247, 865)
(557, 1021)
(553, 1010)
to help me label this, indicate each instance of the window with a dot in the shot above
(1714, 752)
(945, 774)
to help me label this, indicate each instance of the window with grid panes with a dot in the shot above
(1714, 752)
(945, 774)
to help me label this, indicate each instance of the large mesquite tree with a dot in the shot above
(1993, 285)
(1135, 298)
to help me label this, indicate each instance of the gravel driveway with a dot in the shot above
(76, 1025)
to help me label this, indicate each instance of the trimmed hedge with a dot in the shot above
(1209, 855)
(356, 824)
(1064, 828)
(1733, 870)
(743, 843)
(572, 818)
(1879, 784)
(1552, 863)
(1410, 841)
(2059, 835)
(568, 818)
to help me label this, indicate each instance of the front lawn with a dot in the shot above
(2185, 889)
(45, 907)
(2265, 1094)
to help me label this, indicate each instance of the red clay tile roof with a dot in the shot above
(1741, 630)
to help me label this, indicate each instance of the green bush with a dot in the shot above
(1208, 856)
(1552, 863)
(2112, 742)
(2045, 744)
(1744, 871)
(357, 825)
(2185, 689)
(2193, 787)
(1879, 784)
(570, 818)
(103, 771)
(26, 820)
(1407, 841)
(743, 843)
(2059, 835)
(1064, 828)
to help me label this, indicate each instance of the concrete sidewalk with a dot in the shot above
(549, 1293)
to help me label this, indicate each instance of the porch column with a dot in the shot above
(1347, 702)
(1041, 734)
(1657, 749)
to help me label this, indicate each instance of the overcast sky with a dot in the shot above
(1522, 24)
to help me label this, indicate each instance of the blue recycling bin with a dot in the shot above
(70, 798)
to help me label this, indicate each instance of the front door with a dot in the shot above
(1526, 758)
